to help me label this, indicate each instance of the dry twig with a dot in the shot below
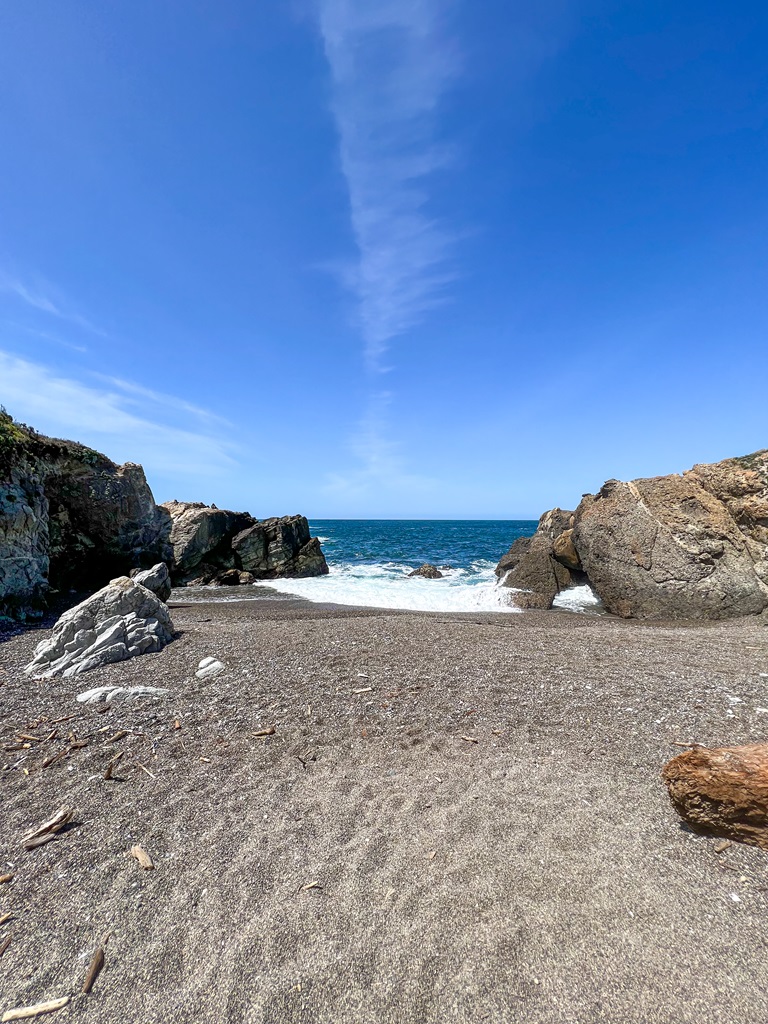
(46, 831)
(23, 1012)
(112, 764)
(269, 731)
(94, 969)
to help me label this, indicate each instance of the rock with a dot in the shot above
(69, 518)
(722, 790)
(673, 547)
(209, 667)
(120, 621)
(210, 545)
(427, 572)
(157, 579)
(109, 694)
(512, 558)
(533, 566)
(564, 551)
(666, 548)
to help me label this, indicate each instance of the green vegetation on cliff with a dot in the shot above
(18, 441)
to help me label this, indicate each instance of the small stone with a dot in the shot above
(209, 667)
(722, 845)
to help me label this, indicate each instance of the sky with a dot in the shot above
(387, 258)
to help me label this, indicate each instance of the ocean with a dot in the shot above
(370, 561)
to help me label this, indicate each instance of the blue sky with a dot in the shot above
(408, 258)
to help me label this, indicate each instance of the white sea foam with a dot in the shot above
(578, 599)
(387, 585)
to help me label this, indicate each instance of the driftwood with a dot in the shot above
(45, 831)
(24, 1012)
(722, 790)
(144, 859)
(94, 969)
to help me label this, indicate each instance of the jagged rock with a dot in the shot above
(157, 579)
(510, 561)
(69, 518)
(209, 667)
(110, 694)
(722, 790)
(666, 548)
(210, 545)
(427, 572)
(120, 621)
(534, 570)
(671, 547)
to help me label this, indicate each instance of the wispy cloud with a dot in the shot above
(379, 462)
(44, 298)
(106, 419)
(391, 63)
(137, 395)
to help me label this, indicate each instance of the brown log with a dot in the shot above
(722, 790)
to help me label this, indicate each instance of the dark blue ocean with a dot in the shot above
(370, 559)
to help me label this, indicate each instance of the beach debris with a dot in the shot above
(140, 765)
(54, 758)
(722, 845)
(106, 695)
(94, 969)
(310, 885)
(432, 854)
(470, 739)
(45, 832)
(6, 878)
(5, 944)
(119, 735)
(111, 765)
(177, 724)
(6, 917)
(78, 744)
(209, 667)
(365, 689)
(24, 1012)
(722, 790)
(120, 621)
(269, 731)
(144, 859)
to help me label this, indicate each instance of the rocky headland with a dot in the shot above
(690, 546)
(71, 519)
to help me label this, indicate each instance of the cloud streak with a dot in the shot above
(42, 299)
(113, 422)
(390, 64)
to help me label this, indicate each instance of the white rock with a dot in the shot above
(118, 622)
(107, 694)
(209, 667)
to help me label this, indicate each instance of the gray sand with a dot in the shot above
(538, 874)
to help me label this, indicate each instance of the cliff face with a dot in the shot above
(69, 518)
(671, 547)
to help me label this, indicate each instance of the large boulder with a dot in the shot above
(669, 547)
(120, 621)
(157, 579)
(530, 566)
(69, 518)
(666, 548)
(211, 545)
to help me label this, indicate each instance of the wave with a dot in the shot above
(578, 599)
(387, 585)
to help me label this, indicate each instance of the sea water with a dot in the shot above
(370, 561)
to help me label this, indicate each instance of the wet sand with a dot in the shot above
(474, 799)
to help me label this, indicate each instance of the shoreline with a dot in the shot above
(477, 796)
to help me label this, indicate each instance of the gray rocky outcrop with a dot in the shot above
(120, 621)
(214, 546)
(69, 518)
(427, 572)
(157, 579)
(690, 546)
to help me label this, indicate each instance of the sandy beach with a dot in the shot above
(457, 818)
